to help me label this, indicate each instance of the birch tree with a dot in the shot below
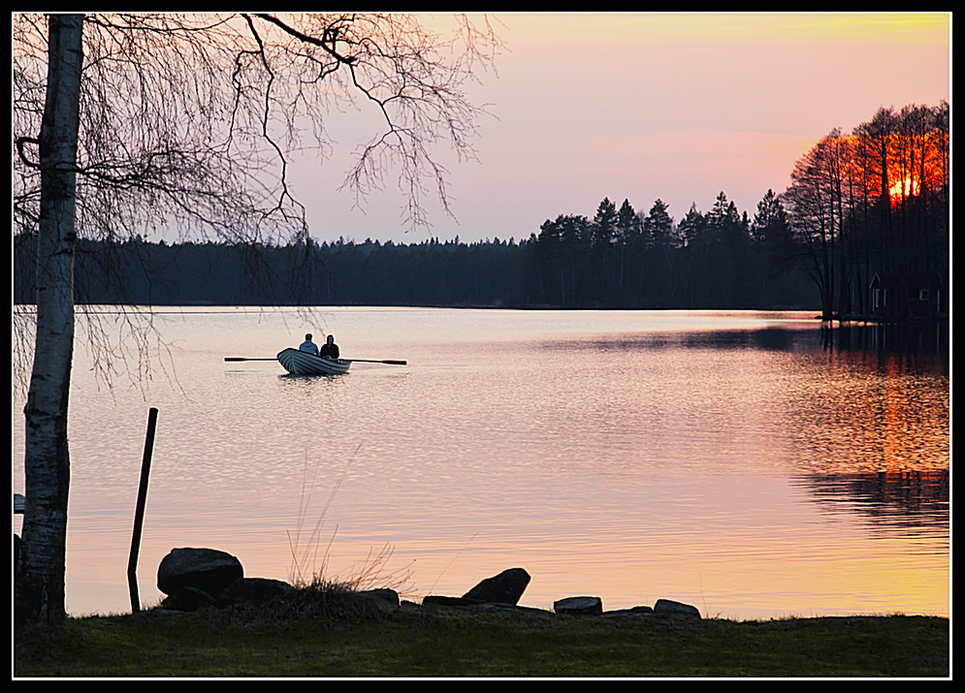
(45, 517)
(127, 124)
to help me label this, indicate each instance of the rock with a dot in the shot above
(632, 612)
(668, 606)
(382, 599)
(188, 599)
(505, 588)
(253, 590)
(474, 606)
(390, 597)
(579, 606)
(441, 600)
(206, 569)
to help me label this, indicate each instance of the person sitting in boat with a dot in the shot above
(329, 349)
(308, 345)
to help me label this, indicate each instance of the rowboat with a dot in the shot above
(303, 363)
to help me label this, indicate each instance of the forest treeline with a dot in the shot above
(866, 207)
(430, 273)
(570, 263)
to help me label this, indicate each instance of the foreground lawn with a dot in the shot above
(424, 642)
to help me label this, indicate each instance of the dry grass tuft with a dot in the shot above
(319, 596)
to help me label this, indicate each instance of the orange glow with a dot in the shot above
(903, 189)
(914, 164)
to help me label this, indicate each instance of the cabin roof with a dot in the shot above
(912, 280)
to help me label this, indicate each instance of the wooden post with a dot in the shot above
(139, 512)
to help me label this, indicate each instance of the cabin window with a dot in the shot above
(922, 294)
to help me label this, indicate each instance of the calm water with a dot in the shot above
(738, 462)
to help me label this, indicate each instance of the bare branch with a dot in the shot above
(189, 122)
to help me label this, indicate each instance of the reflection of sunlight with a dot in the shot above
(874, 577)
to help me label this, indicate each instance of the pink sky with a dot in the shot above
(644, 106)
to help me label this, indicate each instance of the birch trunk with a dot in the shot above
(47, 463)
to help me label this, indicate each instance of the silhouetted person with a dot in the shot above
(329, 349)
(308, 345)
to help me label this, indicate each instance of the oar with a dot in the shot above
(392, 362)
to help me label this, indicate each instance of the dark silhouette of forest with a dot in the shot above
(622, 258)
(862, 231)
(618, 259)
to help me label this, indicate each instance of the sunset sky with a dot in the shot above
(644, 106)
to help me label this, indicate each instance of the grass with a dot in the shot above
(345, 639)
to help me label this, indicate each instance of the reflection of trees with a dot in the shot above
(922, 346)
(856, 409)
(911, 339)
(866, 411)
(765, 339)
(904, 499)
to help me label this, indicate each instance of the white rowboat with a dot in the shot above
(303, 363)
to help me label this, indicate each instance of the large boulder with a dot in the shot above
(208, 570)
(505, 588)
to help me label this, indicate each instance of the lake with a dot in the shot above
(748, 463)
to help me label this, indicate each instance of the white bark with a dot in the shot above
(47, 463)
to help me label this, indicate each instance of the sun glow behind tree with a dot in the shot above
(874, 202)
(902, 189)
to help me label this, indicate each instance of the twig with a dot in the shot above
(452, 561)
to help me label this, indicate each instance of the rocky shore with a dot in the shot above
(196, 578)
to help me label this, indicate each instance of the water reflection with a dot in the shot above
(913, 340)
(736, 459)
(870, 421)
(766, 339)
(925, 343)
(910, 500)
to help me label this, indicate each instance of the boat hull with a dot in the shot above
(302, 363)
